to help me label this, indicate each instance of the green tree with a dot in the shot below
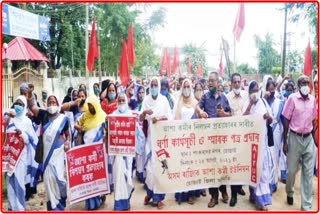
(295, 61)
(267, 55)
(197, 56)
(244, 68)
(298, 11)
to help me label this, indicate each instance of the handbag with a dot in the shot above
(39, 151)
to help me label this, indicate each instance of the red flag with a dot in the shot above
(130, 46)
(239, 23)
(175, 62)
(165, 63)
(189, 66)
(307, 69)
(123, 67)
(93, 47)
(220, 67)
(199, 71)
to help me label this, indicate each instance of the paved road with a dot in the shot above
(278, 201)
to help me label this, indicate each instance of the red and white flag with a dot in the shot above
(239, 23)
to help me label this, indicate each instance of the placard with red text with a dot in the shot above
(87, 172)
(121, 135)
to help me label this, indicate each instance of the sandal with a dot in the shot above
(146, 200)
(190, 201)
(160, 205)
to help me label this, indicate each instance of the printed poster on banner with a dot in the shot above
(197, 154)
(87, 172)
(11, 152)
(121, 135)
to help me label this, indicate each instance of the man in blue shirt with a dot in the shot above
(214, 104)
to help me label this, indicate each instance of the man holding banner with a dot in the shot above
(214, 104)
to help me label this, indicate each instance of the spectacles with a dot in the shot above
(212, 80)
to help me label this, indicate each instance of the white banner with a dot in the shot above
(205, 153)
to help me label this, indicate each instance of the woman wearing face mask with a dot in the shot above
(155, 107)
(165, 91)
(274, 107)
(140, 171)
(122, 166)
(260, 195)
(56, 140)
(198, 91)
(184, 110)
(22, 125)
(109, 104)
(289, 89)
(92, 123)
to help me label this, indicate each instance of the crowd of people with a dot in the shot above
(288, 108)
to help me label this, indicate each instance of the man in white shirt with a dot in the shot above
(236, 98)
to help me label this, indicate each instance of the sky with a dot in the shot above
(205, 24)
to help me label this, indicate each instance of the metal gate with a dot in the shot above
(11, 84)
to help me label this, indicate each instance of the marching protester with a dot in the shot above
(236, 98)
(109, 105)
(298, 141)
(56, 140)
(198, 90)
(155, 108)
(68, 97)
(274, 107)
(165, 91)
(214, 104)
(260, 195)
(96, 89)
(184, 110)
(140, 158)
(122, 166)
(19, 123)
(91, 125)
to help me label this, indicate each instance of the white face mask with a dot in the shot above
(186, 92)
(254, 96)
(122, 107)
(305, 90)
(53, 109)
(236, 91)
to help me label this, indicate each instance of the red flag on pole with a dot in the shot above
(239, 23)
(307, 69)
(175, 62)
(199, 71)
(93, 47)
(221, 66)
(165, 63)
(189, 65)
(130, 46)
(123, 67)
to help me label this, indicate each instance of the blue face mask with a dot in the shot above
(226, 91)
(287, 93)
(164, 92)
(18, 109)
(111, 96)
(154, 91)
